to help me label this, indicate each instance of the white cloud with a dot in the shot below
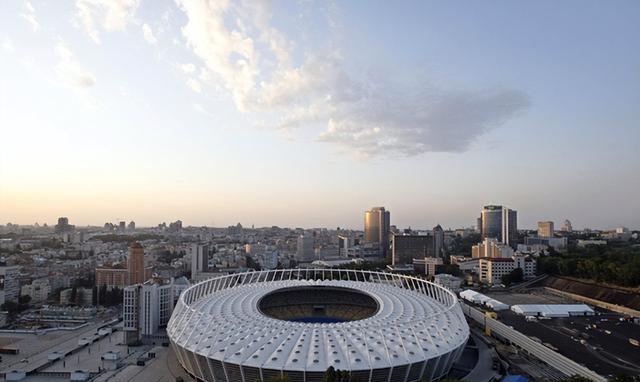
(202, 110)
(69, 71)
(7, 45)
(188, 68)
(194, 85)
(228, 53)
(368, 116)
(110, 15)
(29, 14)
(148, 34)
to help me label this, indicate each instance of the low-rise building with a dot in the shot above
(38, 290)
(491, 270)
(9, 284)
(491, 247)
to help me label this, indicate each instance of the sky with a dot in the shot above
(307, 113)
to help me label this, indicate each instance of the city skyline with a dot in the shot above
(307, 114)
(535, 226)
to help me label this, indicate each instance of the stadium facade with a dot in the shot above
(378, 326)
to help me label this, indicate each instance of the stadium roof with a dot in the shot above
(408, 327)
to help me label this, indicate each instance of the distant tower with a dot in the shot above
(132, 226)
(199, 259)
(500, 223)
(135, 264)
(509, 226)
(377, 224)
(438, 241)
(545, 229)
(566, 227)
(304, 248)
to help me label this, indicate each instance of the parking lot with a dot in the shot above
(599, 342)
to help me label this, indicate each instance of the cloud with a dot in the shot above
(365, 115)
(228, 53)
(29, 14)
(188, 68)
(110, 15)
(194, 85)
(429, 120)
(7, 45)
(148, 34)
(70, 71)
(202, 110)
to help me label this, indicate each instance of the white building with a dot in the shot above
(38, 290)
(9, 284)
(448, 281)
(492, 269)
(553, 310)
(268, 260)
(147, 307)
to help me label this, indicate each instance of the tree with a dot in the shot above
(515, 276)
(330, 375)
(79, 298)
(625, 378)
(102, 295)
(94, 295)
(73, 295)
(24, 299)
(10, 306)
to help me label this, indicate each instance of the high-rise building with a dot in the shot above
(344, 243)
(132, 226)
(9, 284)
(509, 226)
(63, 225)
(304, 248)
(545, 229)
(566, 227)
(500, 223)
(377, 224)
(438, 241)
(405, 248)
(122, 226)
(199, 259)
(148, 307)
(135, 264)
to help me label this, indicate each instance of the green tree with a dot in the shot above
(330, 375)
(73, 295)
(515, 276)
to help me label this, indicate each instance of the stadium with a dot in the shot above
(298, 323)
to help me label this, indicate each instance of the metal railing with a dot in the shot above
(444, 296)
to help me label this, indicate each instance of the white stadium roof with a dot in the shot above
(408, 327)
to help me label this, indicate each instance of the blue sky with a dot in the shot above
(308, 113)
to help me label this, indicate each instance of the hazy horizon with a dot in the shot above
(306, 114)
